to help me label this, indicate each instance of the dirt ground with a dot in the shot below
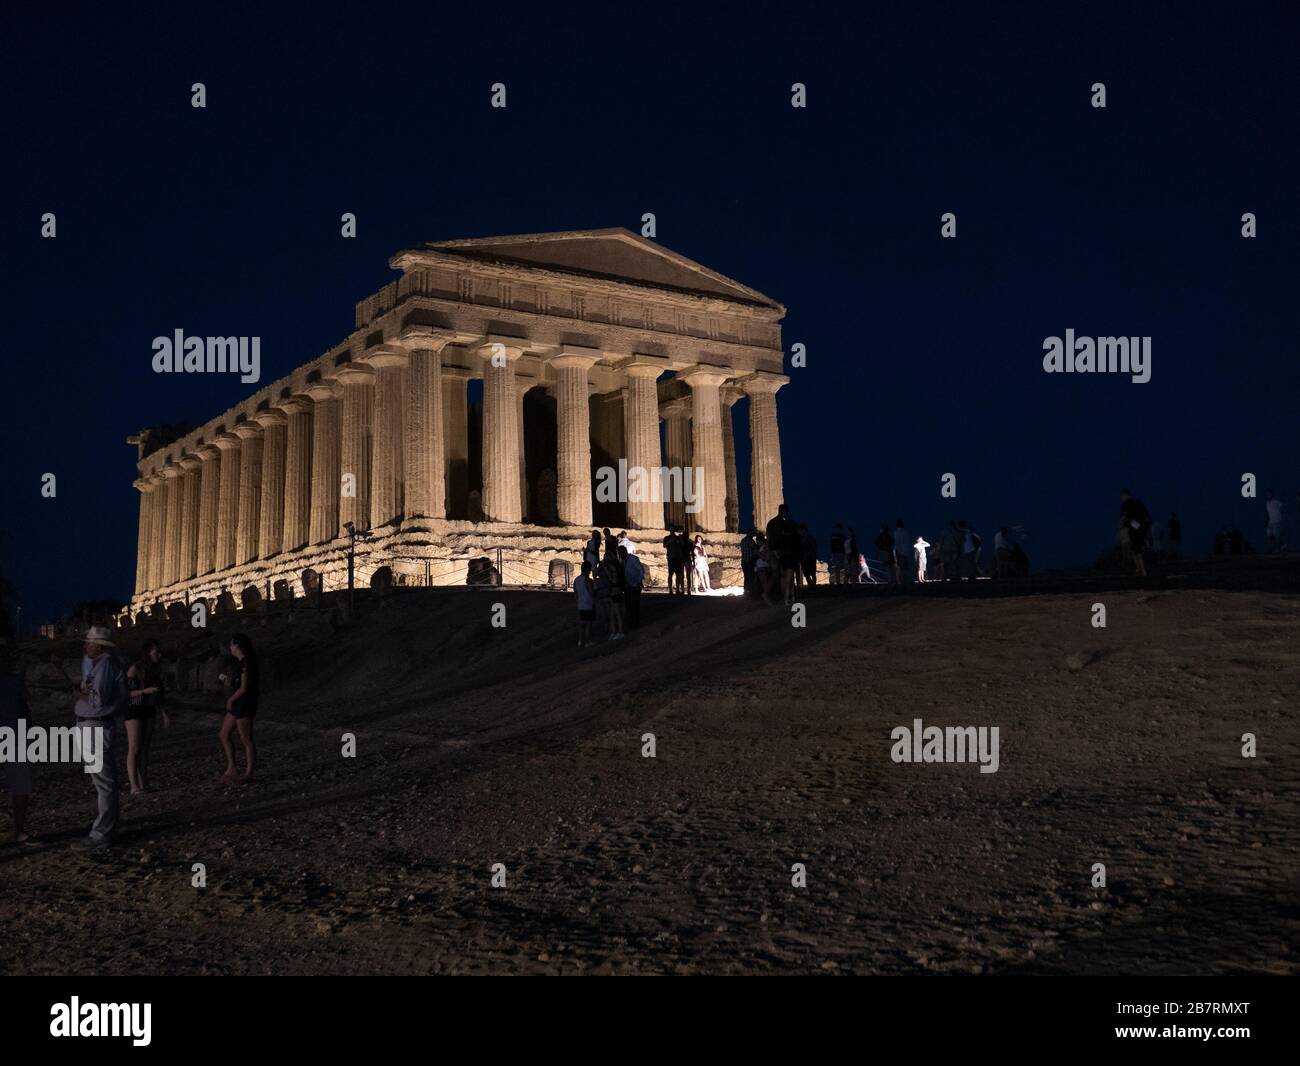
(478, 746)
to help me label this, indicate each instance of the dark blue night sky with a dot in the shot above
(924, 355)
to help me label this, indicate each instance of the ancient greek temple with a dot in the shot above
(476, 410)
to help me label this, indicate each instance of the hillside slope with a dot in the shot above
(479, 746)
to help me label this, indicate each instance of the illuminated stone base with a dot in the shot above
(425, 552)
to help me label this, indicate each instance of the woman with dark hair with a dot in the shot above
(144, 682)
(241, 707)
(591, 553)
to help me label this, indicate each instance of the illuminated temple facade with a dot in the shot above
(591, 347)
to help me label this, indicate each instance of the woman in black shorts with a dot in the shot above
(144, 682)
(241, 707)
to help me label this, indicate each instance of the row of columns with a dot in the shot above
(387, 438)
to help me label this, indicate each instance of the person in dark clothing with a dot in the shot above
(1174, 534)
(1018, 565)
(676, 562)
(885, 545)
(591, 553)
(852, 552)
(612, 571)
(748, 558)
(241, 707)
(686, 551)
(784, 538)
(634, 573)
(1136, 522)
(144, 682)
(17, 776)
(951, 541)
(837, 566)
(808, 556)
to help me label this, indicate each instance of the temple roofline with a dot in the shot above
(488, 249)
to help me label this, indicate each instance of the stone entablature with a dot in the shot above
(254, 494)
(502, 288)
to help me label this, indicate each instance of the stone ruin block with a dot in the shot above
(482, 572)
(310, 583)
(560, 573)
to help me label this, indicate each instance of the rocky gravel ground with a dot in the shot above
(479, 746)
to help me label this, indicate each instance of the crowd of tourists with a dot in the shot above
(777, 563)
(1229, 540)
(1165, 540)
(608, 587)
(896, 556)
(124, 702)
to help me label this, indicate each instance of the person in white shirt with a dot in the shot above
(918, 549)
(585, 592)
(624, 541)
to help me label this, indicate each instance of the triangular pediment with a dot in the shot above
(615, 254)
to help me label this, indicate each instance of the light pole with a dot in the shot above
(352, 552)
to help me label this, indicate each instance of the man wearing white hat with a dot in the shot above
(101, 700)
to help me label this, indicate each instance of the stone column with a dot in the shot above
(706, 441)
(765, 442)
(143, 552)
(249, 514)
(641, 432)
(270, 533)
(157, 533)
(573, 432)
(426, 458)
(172, 491)
(500, 430)
(325, 462)
(209, 507)
(387, 462)
(189, 553)
(297, 472)
(728, 397)
(455, 419)
(677, 443)
(227, 500)
(355, 428)
(522, 385)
